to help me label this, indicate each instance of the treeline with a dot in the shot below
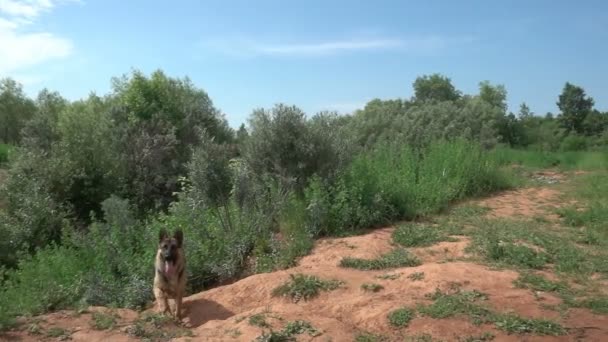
(91, 182)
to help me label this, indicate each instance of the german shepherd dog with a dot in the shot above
(170, 275)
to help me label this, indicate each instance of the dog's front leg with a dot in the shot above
(178, 306)
(162, 301)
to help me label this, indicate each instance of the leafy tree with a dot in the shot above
(15, 110)
(41, 131)
(435, 87)
(575, 105)
(494, 95)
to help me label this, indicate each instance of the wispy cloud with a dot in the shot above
(245, 47)
(20, 49)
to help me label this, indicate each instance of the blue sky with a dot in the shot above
(319, 55)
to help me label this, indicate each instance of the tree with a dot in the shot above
(15, 110)
(524, 112)
(574, 105)
(435, 88)
(494, 95)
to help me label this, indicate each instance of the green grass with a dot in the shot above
(103, 321)
(372, 287)
(58, 333)
(418, 235)
(289, 332)
(389, 276)
(153, 327)
(396, 258)
(580, 160)
(401, 318)
(416, 276)
(301, 286)
(487, 336)
(369, 337)
(514, 324)
(537, 282)
(461, 303)
(468, 304)
(258, 320)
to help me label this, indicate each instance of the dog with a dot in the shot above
(170, 272)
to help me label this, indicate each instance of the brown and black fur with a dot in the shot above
(170, 285)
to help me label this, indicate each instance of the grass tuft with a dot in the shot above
(372, 287)
(418, 235)
(397, 258)
(302, 286)
(401, 317)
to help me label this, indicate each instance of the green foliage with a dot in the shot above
(418, 235)
(399, 257)
(401, 318)
(5, 151)
(518, 325)
(103, 321)
(301, 286)
(258, 320)
(15, 109)
(435, 87)
(369, 337)
(460, 303)
(288, 332)
(575, 106)
(416, 276)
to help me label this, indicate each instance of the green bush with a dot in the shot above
(5, 151)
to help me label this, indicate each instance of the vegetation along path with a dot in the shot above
(523, 265)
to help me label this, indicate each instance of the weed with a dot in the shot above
(460, 303)
(416, 276)
(59, 333)
(537, 282)
(369, 337)
(418, 235)
(305, 287)
(234, 332)
(401, 318)
(487, 336)
(258, 320)
(372, 287)
(396, 258)
(514, 324)
(598, 304)
(287, 334)
(103, 321)
(34, 329)
(388, 276)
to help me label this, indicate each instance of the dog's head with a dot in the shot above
(169, 250)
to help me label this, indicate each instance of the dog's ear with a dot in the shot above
(162, 235)
(179, 237)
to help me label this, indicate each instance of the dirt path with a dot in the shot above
(222, 314)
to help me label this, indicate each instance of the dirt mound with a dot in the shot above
(225, 313)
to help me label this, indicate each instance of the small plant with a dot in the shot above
(389, 276)
(401, 318)
(305, 287)
(103, 321)
(258, 320)
(514, 324)
(418, 235)
(460, 303)
(57, 332)
(394, 259)
(34, 329)
(416, 276)
(234, 332)
(539, 283)
(372, 287)
(287, 334)
(369, 337)
(487, 336)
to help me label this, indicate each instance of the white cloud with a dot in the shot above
(243, 47)
(20, 49)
